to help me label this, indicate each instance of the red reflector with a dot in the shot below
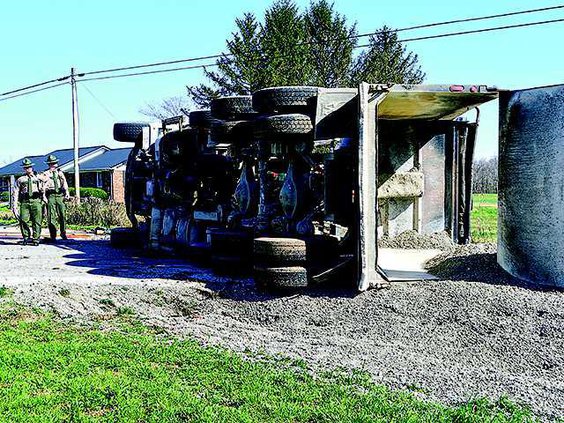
(473, 89)
(456, 88)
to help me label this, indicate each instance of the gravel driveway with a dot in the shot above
(477, 334)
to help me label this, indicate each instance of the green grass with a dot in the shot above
(5, 292)
(125, 311)
(485, 200)
(50, 372)
(483, 218)
(107, 302)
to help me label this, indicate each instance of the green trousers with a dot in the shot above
(31, 216)
(56, 215)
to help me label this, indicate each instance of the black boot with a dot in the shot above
(53, 233)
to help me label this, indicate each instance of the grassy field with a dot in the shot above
(484, 218)
(485, 200)
(50, 372)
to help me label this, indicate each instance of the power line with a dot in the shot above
(99, 102)
(434, 24)
(36, 85)
(170, 62)
(480, 18)
(427, 37)
(33, 91)
(476, 31)
(356, 36)
(148, 72)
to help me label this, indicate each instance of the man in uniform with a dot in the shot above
(29, 193)
(56, 188)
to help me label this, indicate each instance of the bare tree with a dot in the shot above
(484, 179)
(169, 107)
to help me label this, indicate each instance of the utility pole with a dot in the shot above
(75, 135)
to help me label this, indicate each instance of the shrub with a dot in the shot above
(4, 196)
(90, 193)
(7, 217)
(64, 292)
(125, 311)
(97, 212)
(5, 292)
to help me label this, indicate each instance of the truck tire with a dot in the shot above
(226, 242)
(125, 238)
(200, 119)
(279, 252)
(280, 278)
(285, 100)
(232, 108)
(129, 131)
(295, 125)
(321, 249)
(232, 132)
(230, 251)
(178, 146)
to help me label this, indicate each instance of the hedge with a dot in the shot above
(84, 193)
(97, 212)
(90, 192)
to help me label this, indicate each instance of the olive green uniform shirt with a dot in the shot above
(55, 181)
(29, 193)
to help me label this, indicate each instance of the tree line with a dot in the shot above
(484, 179)
(317, 47)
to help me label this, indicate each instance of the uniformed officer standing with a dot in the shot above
(56, 188)
(29, 193)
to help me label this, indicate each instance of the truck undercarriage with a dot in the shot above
(298, 184)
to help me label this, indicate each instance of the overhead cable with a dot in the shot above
(427, 37)
(434, 24)
(225, 55)
(33, 91)
(36, 85)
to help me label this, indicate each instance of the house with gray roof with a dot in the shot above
(100, 167)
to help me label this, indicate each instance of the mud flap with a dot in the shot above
(367, 246)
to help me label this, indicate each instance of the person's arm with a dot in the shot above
(42, 186)
(65, 185)
(15, 196)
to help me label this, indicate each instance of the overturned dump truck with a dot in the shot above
(297, 184)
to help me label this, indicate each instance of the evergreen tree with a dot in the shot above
(284, 46)
(239, 71)
(387, 61)
(331, 43)
(315, 48)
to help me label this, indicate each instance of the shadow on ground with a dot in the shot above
(100, 258)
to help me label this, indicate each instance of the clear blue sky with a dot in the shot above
(42, 39)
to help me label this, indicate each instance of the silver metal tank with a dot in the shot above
(531, 185)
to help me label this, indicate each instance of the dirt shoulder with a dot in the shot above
(449, 340)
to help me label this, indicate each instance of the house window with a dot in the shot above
(99, 180)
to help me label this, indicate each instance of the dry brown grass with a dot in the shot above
(96, 212)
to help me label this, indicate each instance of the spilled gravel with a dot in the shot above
(476, 333)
